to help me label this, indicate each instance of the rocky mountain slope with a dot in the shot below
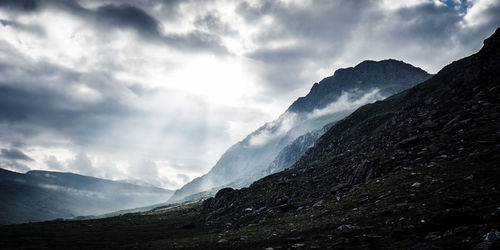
(328, 101)
(45, 195)
(445, 130)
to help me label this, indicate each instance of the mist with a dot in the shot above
(255, 156)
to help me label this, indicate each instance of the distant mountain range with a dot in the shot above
(278, 144)
(45, 195)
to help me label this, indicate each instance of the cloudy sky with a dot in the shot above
(157, 90)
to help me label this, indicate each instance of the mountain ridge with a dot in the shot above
(314, 99)
(46, 195)
(366, 80)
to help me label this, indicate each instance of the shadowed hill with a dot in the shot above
(46, 195)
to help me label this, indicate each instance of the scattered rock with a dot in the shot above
(433, 236)
(319, 203)
(287, 207)
(339, 187)
(352, 230)
(294, 239)
(416, 185)
(492, 236)
(455, 231)
(469, 178)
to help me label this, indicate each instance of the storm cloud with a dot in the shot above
(14, 154)
(157, 90)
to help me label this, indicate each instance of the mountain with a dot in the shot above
(420, 167)
(328, 101)
(390, 76)
(45, 195)
(418, 170)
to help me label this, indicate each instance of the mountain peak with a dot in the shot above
(371, 67)
(389, 76)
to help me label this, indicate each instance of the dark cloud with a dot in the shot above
(40, 97)
(38, 110)
(121, 15)
(427, 23)
(12, 159)
(20, 5)
(135, 18)
(14, 154)
(129, 16)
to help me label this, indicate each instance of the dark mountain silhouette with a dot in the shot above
(391, 76)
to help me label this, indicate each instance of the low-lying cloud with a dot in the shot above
(347, 101)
